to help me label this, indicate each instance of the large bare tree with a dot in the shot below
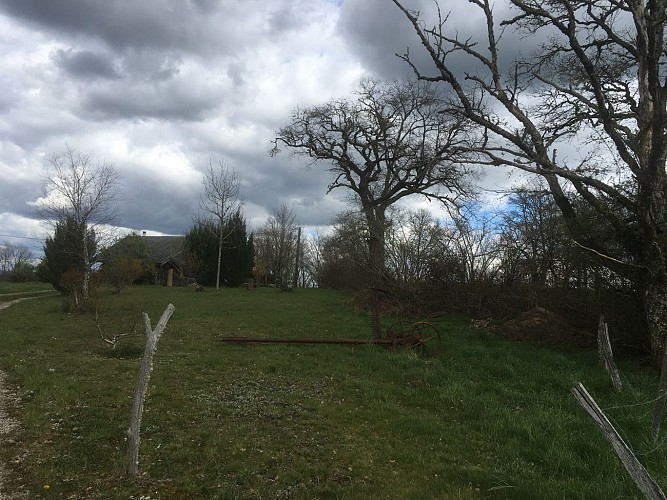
(220, 201)
(85, 192)
(597, 78)
(389, 141)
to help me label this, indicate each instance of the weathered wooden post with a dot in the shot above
(606, 354)
(640, 475)
(152, 336)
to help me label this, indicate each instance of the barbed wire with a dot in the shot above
(631, 405)
(657, 447)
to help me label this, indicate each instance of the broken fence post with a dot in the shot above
(152, 336)
(640, 475)
(606, 354)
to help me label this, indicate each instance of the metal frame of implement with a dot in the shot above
(403, 333)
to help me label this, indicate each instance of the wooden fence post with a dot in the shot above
(152, 336)
(640, 475)
(606, 354)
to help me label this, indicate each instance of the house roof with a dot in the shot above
(165, 248)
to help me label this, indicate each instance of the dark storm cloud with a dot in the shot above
(16, 191)
(173, 102)
(302, 187)
(148, 23)
(138, 85)
(203, 27)
(293, 182)
(378, 32)
(151, 202)
(86, 64)
(148, 202)
(34, 128)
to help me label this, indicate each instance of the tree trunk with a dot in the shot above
(376, 221)
(217, 274)
(85, 288)
(654, 304)
(297, 264)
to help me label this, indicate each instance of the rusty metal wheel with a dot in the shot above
(397, 333)
(399, 329)
(425, 337)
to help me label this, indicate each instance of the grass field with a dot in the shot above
(10, 291)
(483, 419)
(9, 287)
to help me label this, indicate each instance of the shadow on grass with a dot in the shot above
(123, 352)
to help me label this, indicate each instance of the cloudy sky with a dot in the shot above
(160, 87)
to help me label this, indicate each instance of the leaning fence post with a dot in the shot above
(639, 474)
(152, 336)
(606, 354)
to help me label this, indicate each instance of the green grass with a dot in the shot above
(484, 419)
(11, 291)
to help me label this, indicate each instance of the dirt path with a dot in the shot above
(5, 305)
(7, 425)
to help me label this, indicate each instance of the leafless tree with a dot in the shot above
(415, 240)
(345, 262)
(389, 141)
(599, 76)
(472, 237)
(220, 201)
(311, 263)
(532, 239)
(13, 256)
(86, 192)
(5, 258)
(275, 244)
